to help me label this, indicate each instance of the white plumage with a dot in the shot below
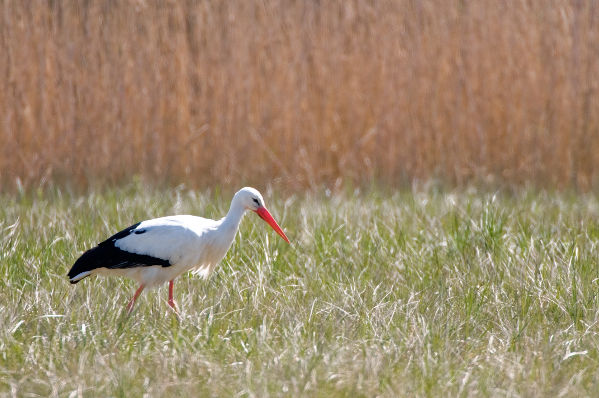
(155, 251)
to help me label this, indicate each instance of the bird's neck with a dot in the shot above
(233, 217)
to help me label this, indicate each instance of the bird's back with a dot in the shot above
(179, 241)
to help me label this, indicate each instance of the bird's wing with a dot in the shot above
(161, 241)
(167, 238)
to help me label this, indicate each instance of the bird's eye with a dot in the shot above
(256, 201)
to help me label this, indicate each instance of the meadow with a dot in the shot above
(433, 163)
(421, 292)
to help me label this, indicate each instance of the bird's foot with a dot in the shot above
(174, 306)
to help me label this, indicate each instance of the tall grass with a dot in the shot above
(300, 92)
(415, 294)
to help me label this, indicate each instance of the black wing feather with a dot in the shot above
(107, 255)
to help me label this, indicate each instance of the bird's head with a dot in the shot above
(252, 200)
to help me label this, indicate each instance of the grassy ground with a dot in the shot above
(418, 293)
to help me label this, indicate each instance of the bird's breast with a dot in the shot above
(212, 249)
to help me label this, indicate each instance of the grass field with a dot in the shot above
(433, 290)
(420, 293)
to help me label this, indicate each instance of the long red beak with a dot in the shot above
(265, 215)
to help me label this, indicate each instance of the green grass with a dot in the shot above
(419, 293)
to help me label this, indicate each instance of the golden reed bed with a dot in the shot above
(300, 93)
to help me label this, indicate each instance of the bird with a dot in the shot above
(156, 251)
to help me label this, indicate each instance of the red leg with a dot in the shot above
(171, 301)
(135, 296)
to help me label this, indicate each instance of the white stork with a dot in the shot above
(155, 251)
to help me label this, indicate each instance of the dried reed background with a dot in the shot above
(300, 92)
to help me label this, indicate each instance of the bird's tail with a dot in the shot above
(84, 266)
(79, 276)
